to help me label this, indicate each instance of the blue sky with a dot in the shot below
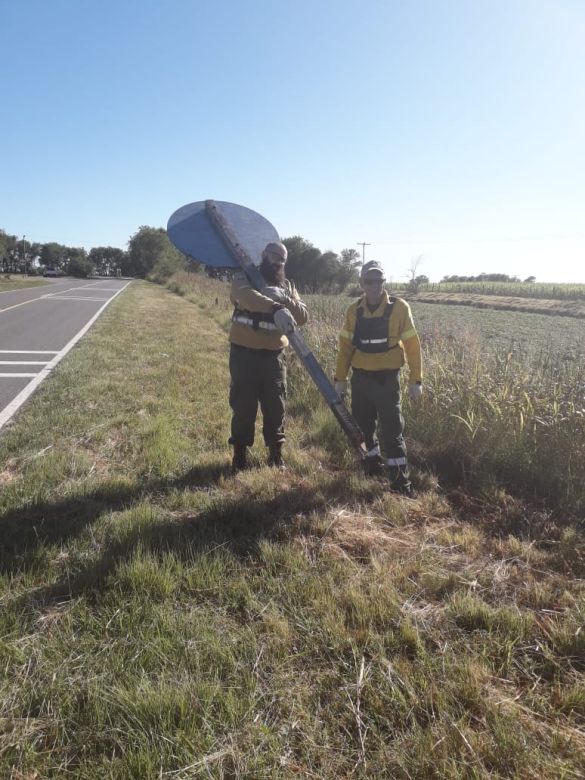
(453, 130)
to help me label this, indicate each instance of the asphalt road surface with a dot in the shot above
(39, 325)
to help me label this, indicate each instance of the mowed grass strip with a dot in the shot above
(162, 618)
(20, 284)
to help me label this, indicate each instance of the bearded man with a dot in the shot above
(257, 359)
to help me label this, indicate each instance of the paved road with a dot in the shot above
(39, 325)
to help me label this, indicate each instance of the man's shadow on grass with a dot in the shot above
(25, 530)
(234, 523)
(237, 527)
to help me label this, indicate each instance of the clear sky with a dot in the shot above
(450, 129)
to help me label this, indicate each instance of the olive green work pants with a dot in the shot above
(375, 399)
(258, 376)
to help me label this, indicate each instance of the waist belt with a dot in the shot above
(251, 350)
(250, 322)
(379, 375)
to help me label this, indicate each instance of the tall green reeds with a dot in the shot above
(490, 415)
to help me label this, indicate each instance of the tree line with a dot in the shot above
(149, 252)
(151, 255)
(487, 278)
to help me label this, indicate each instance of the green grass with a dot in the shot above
(162, 618)
(503, 400)
(19, 284)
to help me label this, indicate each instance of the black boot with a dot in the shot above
(240, 459)
(400, 481)
(374, 465)
(275, 456)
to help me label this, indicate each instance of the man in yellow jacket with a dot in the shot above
(257, 360)
(377, 334)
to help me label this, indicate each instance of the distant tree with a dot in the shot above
(54, 255)
(107, 260)
(349, 265)
(302, 257)
(79, 265)
(414, 278)
(483, 277)
(7, 247)
(530, 279)
(149, 248)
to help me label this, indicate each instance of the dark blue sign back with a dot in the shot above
(194, 234)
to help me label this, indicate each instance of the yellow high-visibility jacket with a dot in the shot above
(401, 332)
(245, 331)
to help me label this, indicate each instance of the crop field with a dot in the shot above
(163, 618)
(562, 292)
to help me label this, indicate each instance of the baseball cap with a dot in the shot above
(276, 248)
(371, 268)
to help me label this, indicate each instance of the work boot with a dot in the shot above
(275, 456)
(400, 481)
(374, 465)
(240, 459)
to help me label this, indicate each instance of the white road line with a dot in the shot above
(41, 298)
(36, 380)
(62, 292)
(15, 376)
(18, 289)
(28, 351)
(16, 305)
(23, 362)
(73, 298)
(31, 287)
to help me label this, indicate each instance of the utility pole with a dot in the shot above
(363, 245)
(23, 256)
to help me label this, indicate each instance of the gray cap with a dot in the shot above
(373, 267)
(276, 248)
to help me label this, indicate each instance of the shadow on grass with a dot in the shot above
(233, 522)
(24, 530)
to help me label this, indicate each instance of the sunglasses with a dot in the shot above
(376, 281)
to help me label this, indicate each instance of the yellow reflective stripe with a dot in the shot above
(408, 334)
(345, 334)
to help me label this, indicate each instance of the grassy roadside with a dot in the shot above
(20, 284)
(161, 618)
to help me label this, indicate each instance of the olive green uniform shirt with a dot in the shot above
(247, 299)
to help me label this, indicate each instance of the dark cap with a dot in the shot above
(373, 267)
(276, 248)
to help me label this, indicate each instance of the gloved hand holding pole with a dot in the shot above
(340, 388)
(415, 391)
(284, 321)
(277, 294)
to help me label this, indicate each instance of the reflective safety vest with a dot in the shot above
(254, 319)
(371, 333)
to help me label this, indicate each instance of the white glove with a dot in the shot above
(340, 388)
(275, 293)
(284, 321)
(415, 392)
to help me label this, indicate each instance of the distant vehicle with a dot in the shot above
(49, 272)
